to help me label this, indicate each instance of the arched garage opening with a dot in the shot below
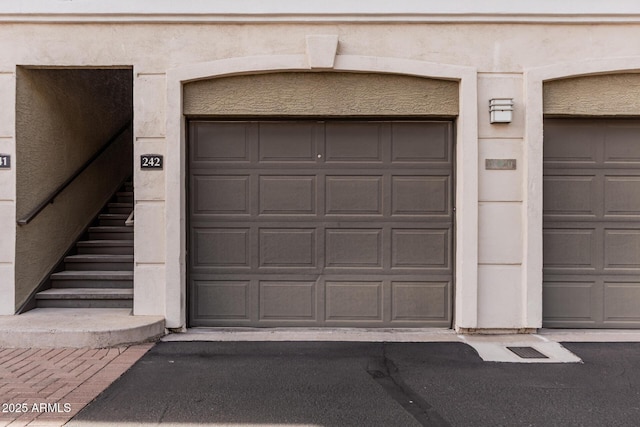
(466, 159)
(320, 199)
(591, 214)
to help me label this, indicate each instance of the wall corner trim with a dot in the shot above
(321, 50)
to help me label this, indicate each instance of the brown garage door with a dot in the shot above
(311, 223)
(591, 224)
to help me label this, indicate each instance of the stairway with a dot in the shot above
(99, 273)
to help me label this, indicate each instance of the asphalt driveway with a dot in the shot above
(368, 384)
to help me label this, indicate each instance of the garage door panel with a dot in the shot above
(220, 142)
(621, 301)
(420, 142)
(222, 299)
(354, 248)
(570, 249)
(288, 300)
(287, 142)
(221, 195)
(569, 301)
(223, 247)
(288, 194)
(623, 250)
(570, 195)
(419, 248)
(621, 144)
(354, 195)
(568, 143)
(344, 300)
(622, 195)
(420, 301)
(353, 142)
(353, 301)
(287, 247)
(420, 195)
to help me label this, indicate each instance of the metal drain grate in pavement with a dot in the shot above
(527, 353)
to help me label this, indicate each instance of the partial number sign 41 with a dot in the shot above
(5, 161)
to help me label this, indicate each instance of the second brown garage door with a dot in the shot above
(328, 223)
(591, 224)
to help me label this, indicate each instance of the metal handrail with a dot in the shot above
(55, 193)
(129, 220)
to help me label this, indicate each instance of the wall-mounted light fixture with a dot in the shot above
(501, 110)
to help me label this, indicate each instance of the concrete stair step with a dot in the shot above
(110, 233)
(117, 220)
(92, 279)
(85, 298)
(124, 197)
(116, 247)
(86, 293)
(119, 208)
(101, 274)
(99, 262)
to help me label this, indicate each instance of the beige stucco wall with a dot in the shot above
(505, 59)
(322, 94)
(600, 95)
(156, 47)
(62, 118)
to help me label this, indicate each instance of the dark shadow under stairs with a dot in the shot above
(99, 273)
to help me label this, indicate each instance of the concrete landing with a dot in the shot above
(78, 327)
(496, 348)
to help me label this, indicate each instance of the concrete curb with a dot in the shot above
(316, 334)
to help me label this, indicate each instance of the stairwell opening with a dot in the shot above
(73, 127)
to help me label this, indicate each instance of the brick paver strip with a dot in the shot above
(57, 377)
(15, 352)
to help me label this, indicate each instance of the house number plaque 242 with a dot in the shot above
(151, 161)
